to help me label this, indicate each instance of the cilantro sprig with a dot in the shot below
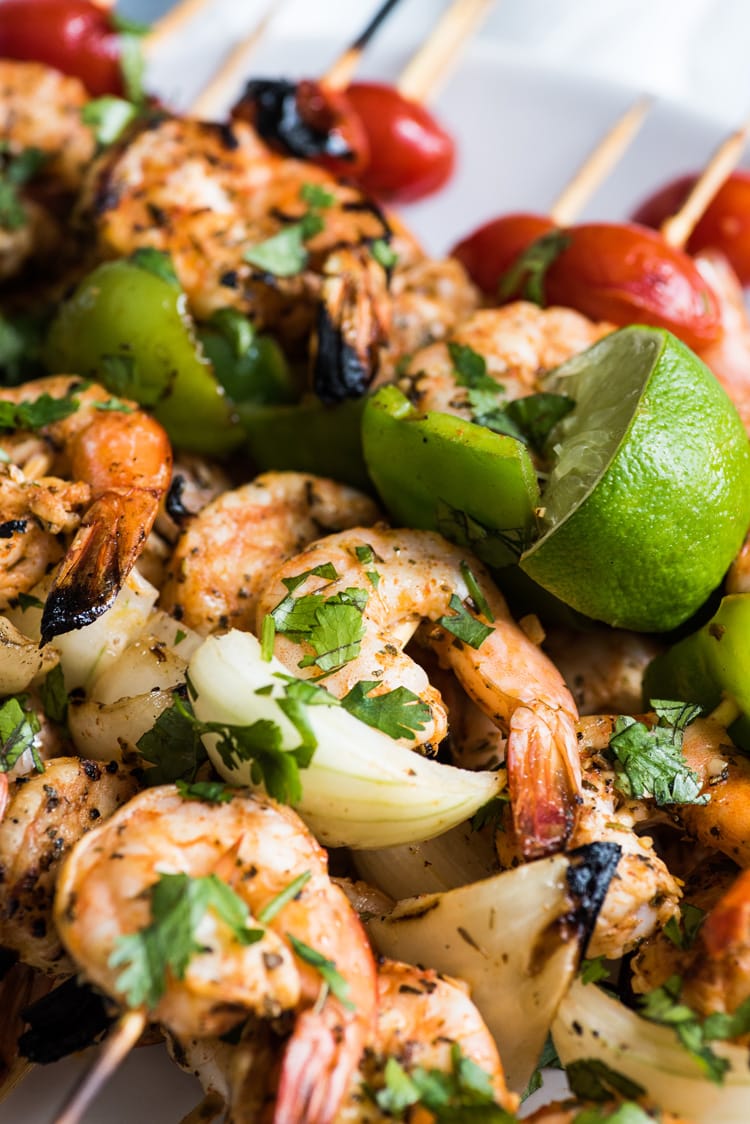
(683, 932)
(108, 117)
(18, 730)
(663, 1005)
(462, 1094)
(285, 254)
(37, 412)
(525, 278)
(399, 713)
(167, 945)
(464, 625)
(15, 171)
(326, 969)
(649, 761)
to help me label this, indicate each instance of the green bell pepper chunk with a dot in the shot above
(308, 437)
(251, 368)
(127, 326)
(438, 472)
(708, 663)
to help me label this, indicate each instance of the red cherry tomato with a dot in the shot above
(628, 274)
(410, 154)
(73, 36)
(725, 226)
(488, 253)
(330, 112)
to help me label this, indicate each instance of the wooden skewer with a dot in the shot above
(230, 74)
(435, 59)
(677, 229)
(338, 76)
(171, 23)
(599, 164)
(119, 1043)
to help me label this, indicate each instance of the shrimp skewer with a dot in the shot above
(257, 848)
(419, 577)
(124, 458)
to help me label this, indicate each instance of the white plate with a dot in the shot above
(522, 133)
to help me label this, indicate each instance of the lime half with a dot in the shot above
(648, 499)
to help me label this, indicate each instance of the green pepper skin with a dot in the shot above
(708, 663)
(308, 437)
(437, 472)
(128, 328)
(260, 375)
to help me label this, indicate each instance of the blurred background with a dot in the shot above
(695, 51)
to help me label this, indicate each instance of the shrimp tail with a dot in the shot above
(316, 1070)
(103, 553)
(544, 778)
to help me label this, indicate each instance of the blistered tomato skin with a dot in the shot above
(73, 36)
(629, 275)
(489, 252)
(411, 156)
(725, 226)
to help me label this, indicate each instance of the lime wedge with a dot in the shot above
(648, 499)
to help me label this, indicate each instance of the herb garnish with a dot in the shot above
(159, 263)
(593, 1080)
(683, 932)
(399, 713)
(334, 981)
(594, 970)
(54, 697)
(18, 730)
(15, 171)
(178, 905)
(525, 278)
(463, 625)
(649, 762)
(384, 254)
(173, 745)
(288, 894)
(285, 254)
(464, 1094)
(210, 792)
(492, 813)
(109, 117)
(37, 412)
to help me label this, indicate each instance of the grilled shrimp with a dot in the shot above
(603, 667)
(257, 848)
(228, 551)
(123, 458)
(40, 114)
(46, 815)
(399, 578)
(519, 343)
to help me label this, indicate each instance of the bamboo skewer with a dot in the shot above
(338, 76)
(599, 163)
(233, 69)
(171, 23)
(119, 1043)
(430, 66)
(677, 229)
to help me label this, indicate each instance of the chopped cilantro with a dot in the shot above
(28, 601)
(533, 417)
(663, 1006)
(525, 278)
(15, 171)
(173, 745)
(548, 1059)
(484, 393)
(288, 894)
(132, 66)
(128, 26)
(627, 1112)
(236, 329)
(210, 792)
(114, 405)
(18, 730)
(37, 412)
(384, 254)
(480, 601)
(593, 1080)
(108, 117)
(261, 744)
(398, 713)
(460, 1096)
(157, 262)
(317, 196)
(463, 625)
(332, 626)
(650, 762)
(267, 638)
(684, 931)
(179, 636)
(178, 905)
(594, 970)
(497, 547)
(53, 695)
(285, 254)
(326, 968)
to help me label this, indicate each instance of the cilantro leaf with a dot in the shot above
(211, 792)
(132, 66)
(53, 695)
(18, 730)
(627, 1112)
(28, 601)
(525, 278)
(663, 1006)
(398, 713)
(470, 369)
(284, 254)
(335, 982)
(37, 412)
(548, 1059)
(157, 262)
(480, 601)
(332, 626)
(459, 1096)
(173, 745)
(288, 894)
(178, 905)
(684, 931)
(593, 1080)
(594, 970)
(16, 170)
(649, 761)
(465, 626)
(108, 117)
(384, 254)
(317, 196)
(261, 744)
(492, 813)
(534, 416)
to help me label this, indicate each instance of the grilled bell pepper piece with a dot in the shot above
(438, 472)
(250, 367)
(713, 661)
(308, 437)
(127, 326)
